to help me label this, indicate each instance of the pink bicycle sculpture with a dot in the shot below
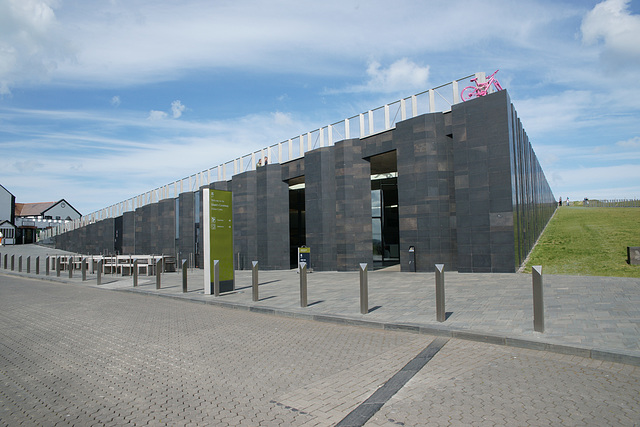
(480, 89)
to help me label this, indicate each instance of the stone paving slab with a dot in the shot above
(596, 317)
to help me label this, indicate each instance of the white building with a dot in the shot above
(31, 217)
(7, 216)
(20, 222)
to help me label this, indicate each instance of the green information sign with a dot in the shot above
(221, 237)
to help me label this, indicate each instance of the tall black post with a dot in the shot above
(440, 310)
(538, 300)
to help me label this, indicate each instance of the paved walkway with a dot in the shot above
(73, 354)
(596, 317)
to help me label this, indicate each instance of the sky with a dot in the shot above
(102, 100)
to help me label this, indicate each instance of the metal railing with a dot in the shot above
(363, 125)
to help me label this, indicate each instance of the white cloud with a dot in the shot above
(611, 23)
(75, 158)
(282, 119)
(125, 43)
(30, 42)
(630, 143)
(549, 113)
(155, 115)
(403, 75)
(177, 109)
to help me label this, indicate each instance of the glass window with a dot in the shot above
(376, 203)
(378, 250)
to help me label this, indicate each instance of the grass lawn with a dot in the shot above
(589, 242)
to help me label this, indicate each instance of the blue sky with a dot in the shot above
(102, 100)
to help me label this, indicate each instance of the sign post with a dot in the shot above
(218, 238)
(304, 255)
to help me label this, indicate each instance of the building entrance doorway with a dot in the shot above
(384, 210)
(297, 227)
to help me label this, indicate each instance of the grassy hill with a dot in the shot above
(589, 242)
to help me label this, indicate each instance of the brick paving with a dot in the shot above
(75, 354)
(471, 383)
(71, 355)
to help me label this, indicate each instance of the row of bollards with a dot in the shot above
(6, 261)
(538, 300)
(441, 315)
(56, 262)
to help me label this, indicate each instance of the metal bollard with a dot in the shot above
(5, 261)
(254, 280)
(135, 273)
(216, 278)
(47, 265)
(364, 289)
(13, 262)
(99, 273)
(184, 276)
(441, 314)
(158, 273)
(37, 265)
(58, 266)
(20, 264)
(28, 264)
(83, 268)
(303, 284)
(70, 266)
(538, 302)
